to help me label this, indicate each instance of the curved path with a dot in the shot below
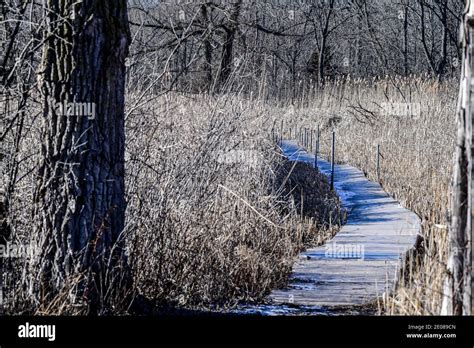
(361, 261)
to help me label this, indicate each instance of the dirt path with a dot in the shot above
(361, 261)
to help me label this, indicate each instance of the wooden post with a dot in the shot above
(311, 141)
(305, 137)
(378, 163)
(316, 151)
(274, 136)
(457, 289)
(281, 133)
(333, 151)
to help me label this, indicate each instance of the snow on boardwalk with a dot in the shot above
(361, 261)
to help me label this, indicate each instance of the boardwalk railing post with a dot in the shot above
(378, 163)
(305, 137)
(281, 134)
(311, 141)
(274, 137)
(333, 150)
(316, 151)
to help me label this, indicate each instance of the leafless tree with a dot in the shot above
(79, 203)
(458, 287)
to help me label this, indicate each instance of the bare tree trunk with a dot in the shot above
(228, 47)
(206, 18)
(428, 54)
(405, 40)
(79, 199)
(457, 289)
(324, 38)
(322, 61)
(444, 50)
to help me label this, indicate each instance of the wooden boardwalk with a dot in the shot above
(361, 261)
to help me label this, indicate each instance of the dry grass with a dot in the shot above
(214, 214)
(212, 221)
(317, 205)
(416, 166)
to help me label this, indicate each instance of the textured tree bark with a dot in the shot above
(206, 19)
(79, 198)
(228, 47)
(324, 38)
(405, 40)
(3, 237)
(457, 289)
